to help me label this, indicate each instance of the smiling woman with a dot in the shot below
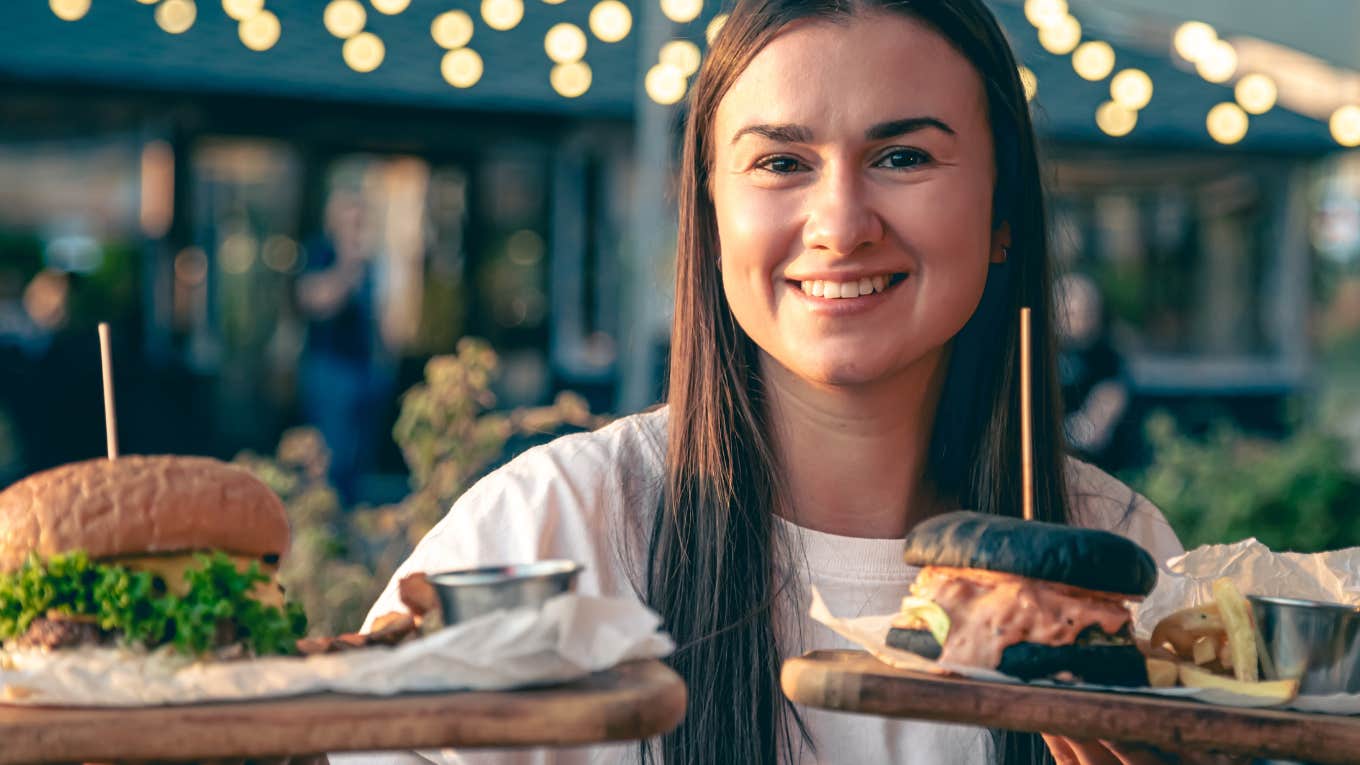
(861, 220)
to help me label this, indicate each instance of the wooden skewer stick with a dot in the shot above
(1026, 418)
(110, 419)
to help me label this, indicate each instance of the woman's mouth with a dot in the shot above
(834, 290)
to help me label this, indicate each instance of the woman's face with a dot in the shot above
(852, 181)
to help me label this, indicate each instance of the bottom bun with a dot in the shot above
(1121, 665)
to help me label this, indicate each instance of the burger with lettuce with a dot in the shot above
(171, 551)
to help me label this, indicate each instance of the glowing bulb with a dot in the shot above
(452, 29)
(1131, 89)
(502, 14)
(1029, 82)
(1192, 40)
(1345, 125)
(565, 43)
(1115, 120)
(260, 32)
(344, 18)
(611, 20)
(570, 80)
(242, 9)
(1227, 123)
(681, 54)
(1045, 13)
(1256, 93)
(364, 52)
(1218, 63)
(1093, 60)
(1059, 39)
(665, 84)
(70, 10)
(682, 11)
(714, 27)
(390, 7)
(176, 16)
(461, 68)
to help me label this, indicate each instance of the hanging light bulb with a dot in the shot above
(176, 16)
(1227, 123)
(1060, 38)
(1193, 39)
(1045, 13)
(611, 21)
(1116, 120)
(1256, 93)
(565, 43)
(70, 10)
(1218, 63)
(1345, 125)
(570, 80)
(452, 29)
(461, 68)
(344, 18)
(364, 52)
(1131, 89)
(260, 32)
(502, 15)
(665, 84)
(1093, 60)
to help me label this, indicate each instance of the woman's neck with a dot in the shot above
(853, 460)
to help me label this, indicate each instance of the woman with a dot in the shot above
(861, 220)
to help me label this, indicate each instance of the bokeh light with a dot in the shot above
(1116, 120)
(714, 27)
(390, 7)
(344, 18)
(261, 31)
(1218, 62)
(364, 52)
(70, 10)
(242, 9)
(502, 15)
(1045, 13)
(611, 21)
(1131, 89)
(1345, 125)
(1227, 123)
(665, 84)
(1093, 60)
(681, 11)
(1256, 93)
(461, 68)
(452, 29)
(1061, 38)
(565, 43)
(683, 55)
(570, 80)
(176, 16)
(1029, 82)
(1193, 39)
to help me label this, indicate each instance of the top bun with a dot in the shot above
(139, 506)
(1086, 558)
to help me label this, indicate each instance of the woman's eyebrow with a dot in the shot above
(906, 125)
(782, 133)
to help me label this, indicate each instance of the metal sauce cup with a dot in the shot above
(1314, 641)
(468, 593)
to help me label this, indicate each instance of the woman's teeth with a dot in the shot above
(865, 286)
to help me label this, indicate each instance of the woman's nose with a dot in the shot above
(841, 218)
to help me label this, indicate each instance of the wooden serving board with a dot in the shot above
(633, 701)
(854, 681)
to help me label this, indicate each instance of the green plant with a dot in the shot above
(1296, 493)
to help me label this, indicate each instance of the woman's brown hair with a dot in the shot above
(712, 550)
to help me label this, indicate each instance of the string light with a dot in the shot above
(570, 80)
(261, 31)
(1193, 39)
(1227, 123)
(1345, 125)
(1131, 89)
(714, 27)
(682, 11)
(1093, 60)
(681, 54)
(364, 52)
(1060, 38)
(1115, 120)
(1045, 13)
(1029, 82)
(344, 18)
(452, 29)
(461, 68)
(70, 10)
(242, 9)
(1218, 62)
(665, 84)
(1256, 93)
(176, 16)
(390, 7)
(565, 43)
(611, 20)
(502, 15)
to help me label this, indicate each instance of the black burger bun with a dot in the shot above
(1086, 558)
(1118, 665)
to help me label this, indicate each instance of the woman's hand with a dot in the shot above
(1067, 751)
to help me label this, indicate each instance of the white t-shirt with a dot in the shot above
(590, 497)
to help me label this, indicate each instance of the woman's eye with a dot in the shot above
(903, 158)
(780, 165)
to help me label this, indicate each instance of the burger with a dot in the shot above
(1028, 599)
(145, 551)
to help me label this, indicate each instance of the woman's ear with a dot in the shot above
(1001, 242)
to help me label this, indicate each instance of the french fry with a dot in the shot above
(1162, 673)
(1225, 655)
(1181, 629)
(1278, 691)
(1205, 650)
(1235, 612)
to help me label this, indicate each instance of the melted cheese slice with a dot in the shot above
(172, 568)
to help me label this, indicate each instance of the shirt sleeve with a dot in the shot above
(1100, 501)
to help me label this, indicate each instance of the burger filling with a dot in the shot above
(980, 613)
(194, 602)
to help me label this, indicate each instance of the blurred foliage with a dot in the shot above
(1298, 493)
(449, 435)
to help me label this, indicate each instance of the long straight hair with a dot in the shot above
(711, 556)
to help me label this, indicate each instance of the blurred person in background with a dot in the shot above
(1095, 390)
(342, 381)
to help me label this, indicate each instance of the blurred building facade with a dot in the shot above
(176, 184)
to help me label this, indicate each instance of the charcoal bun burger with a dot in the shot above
(1029, 599)
(145, 551)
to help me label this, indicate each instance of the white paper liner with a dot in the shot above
(570, 637)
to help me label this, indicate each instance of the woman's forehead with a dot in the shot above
(848, 74)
